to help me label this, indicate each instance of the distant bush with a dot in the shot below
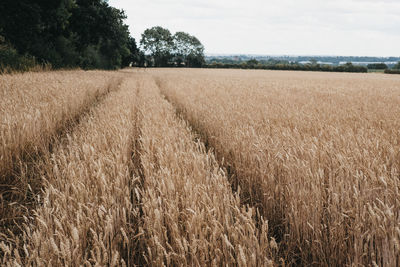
(377, 66)
(392, 71)
(348, 67)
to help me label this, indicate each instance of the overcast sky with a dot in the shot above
(275, 27)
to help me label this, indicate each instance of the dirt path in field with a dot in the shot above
(19, 195)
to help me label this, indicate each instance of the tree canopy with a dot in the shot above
(377, 66)
(68, 33)
(188, 49)
(158, 42)
(167, 49)
(89, 34)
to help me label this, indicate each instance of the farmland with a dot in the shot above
(191, 167)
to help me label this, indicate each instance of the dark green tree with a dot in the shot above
(252, 63)
(67, 33)
(377, 66)
(40, 28)
(10, 59)
(188, 49)
(158, 43)
(103, 41)
(134, 54)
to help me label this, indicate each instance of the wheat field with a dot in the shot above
(192, 167)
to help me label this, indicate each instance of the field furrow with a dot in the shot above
(88, 211)
(190, 216)
(35, 110)
(317, 154)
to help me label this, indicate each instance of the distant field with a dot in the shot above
(199, 167)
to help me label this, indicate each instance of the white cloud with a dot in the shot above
(340, 27)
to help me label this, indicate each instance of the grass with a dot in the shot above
(199, 167)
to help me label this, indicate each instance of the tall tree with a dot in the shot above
(188, 48)
(134, 53)
(103, 41)
(158, 42)
(67, 33)
(39, 28)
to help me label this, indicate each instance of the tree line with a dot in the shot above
(65, 33)
(394, 70)
(284, 65)
(89, 34)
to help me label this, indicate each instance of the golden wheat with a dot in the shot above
(190, 215)
(94, 211)
(87, 216)
(34, 106)
(34, 109)
(97, 174)
(318, 154)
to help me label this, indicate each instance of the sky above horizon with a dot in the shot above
(275, 27)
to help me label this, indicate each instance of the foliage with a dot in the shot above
(134, 55)
(188, 49)
(395, 70)
(392, 71)
(252, 62)
(163, 49)
(68, 33)
(377, 66)
(10, 60)
(158, 42)
(331, 60)
(276, 65)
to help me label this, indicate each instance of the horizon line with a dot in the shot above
(290, 55)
